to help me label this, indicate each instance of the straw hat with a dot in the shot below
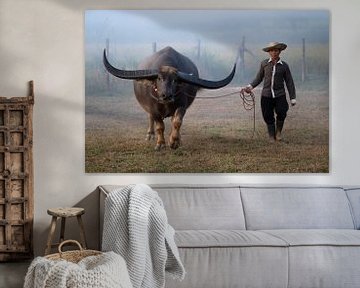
(275, 45)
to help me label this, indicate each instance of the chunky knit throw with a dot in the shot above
(136, 227)
(107, 270)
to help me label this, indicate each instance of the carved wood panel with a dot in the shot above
(16, 177)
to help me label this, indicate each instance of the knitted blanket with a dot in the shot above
(107, 270)
(136, 227)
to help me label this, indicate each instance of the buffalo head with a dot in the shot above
(166, 78)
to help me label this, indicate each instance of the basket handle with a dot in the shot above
(69, 241)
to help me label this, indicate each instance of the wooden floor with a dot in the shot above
(12, 274)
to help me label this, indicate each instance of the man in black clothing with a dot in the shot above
(274, 72)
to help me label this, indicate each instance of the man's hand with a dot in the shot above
(293, 102)
(246, 89)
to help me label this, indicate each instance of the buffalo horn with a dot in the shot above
(129, 74)
(206, 83)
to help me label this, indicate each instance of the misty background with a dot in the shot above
(212, 39)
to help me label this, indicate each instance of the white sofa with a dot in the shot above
(244, 236)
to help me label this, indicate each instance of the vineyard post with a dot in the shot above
(108, 74)
(242, 58)
(198, 49)
(303, 70)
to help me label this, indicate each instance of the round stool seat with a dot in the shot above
(66, 211)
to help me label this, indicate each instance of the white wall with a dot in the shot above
(43, 40)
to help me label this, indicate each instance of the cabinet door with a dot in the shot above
(16, 197)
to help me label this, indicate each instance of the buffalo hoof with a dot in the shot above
(175, 145)
(150, 136)
(160, 147)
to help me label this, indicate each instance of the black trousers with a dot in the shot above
(279, 105)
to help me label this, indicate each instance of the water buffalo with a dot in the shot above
(165, 86)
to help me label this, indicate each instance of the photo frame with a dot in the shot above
(223, 130)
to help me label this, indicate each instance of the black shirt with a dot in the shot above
(274, 76)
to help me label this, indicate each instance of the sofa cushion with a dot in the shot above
(191, 208)
(223, 267)
(354, 198)
(324, 266)
(328, 258)
(226, 238)
(199, 207)
(296, 208)
(316, 237)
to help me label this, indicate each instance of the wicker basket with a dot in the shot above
(72, 256)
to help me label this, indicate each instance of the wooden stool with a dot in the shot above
(64, 213)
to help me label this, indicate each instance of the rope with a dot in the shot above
(214, 97)
(249, 104)
(248, 100)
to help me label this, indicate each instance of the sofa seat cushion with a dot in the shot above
(226, 238)
(315, 237)
(233, 267)
(322, 258)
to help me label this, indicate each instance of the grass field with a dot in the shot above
(217, 137)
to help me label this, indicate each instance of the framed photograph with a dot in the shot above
(207, 91)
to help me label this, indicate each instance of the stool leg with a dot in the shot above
(82, 232)
(51, 234)
(62, 231)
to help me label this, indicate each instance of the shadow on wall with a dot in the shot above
(59, 134)
(56, 156)
(95, 4)
(14, 68)
(91, 217)
(72, 230)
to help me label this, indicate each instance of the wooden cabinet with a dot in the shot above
(16, 177)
